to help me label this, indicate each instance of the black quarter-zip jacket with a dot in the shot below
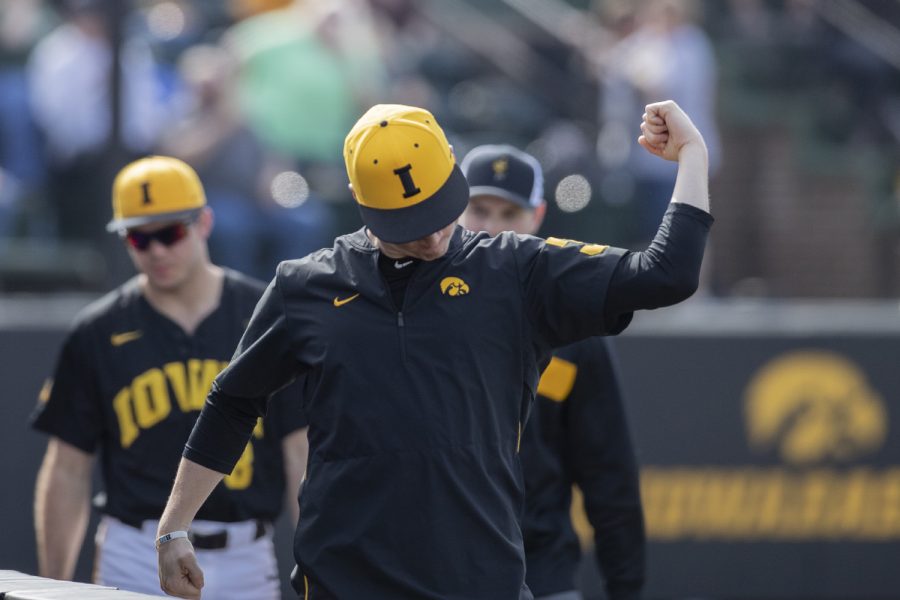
(414, 488)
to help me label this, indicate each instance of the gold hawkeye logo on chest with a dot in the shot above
(454, 286)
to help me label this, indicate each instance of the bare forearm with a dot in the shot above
(692, 182)
(193, 485)
(668, 271)
(179, 573)
(62, 502)
(667, 132)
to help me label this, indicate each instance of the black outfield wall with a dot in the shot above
(770, 461)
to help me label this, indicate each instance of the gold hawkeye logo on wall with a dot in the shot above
(820, 416)
(454, 286)
(817, 412)
(814, 406)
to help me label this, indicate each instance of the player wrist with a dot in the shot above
(693, 150)
(172, 535)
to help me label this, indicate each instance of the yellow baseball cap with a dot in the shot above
(404, 174)
(154, 189)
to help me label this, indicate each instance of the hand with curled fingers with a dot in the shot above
(179, 573)
(666, 130)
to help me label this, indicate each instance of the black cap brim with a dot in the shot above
(403, 225)
(123, 224)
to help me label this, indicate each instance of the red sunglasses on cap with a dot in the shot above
(167, 236)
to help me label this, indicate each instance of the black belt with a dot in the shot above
(217, 541)
(209, 541)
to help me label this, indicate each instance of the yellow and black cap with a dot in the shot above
(506, 172)
(155, 189)
(404, 174)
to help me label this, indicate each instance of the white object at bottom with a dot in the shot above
(246, 569)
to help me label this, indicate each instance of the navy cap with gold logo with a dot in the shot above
(504, 171)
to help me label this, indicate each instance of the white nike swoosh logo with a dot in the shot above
(400, 265)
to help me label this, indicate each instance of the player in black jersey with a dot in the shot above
(578, 433)
(129, 384)
(418, 389)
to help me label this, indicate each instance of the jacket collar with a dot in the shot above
(360, 240)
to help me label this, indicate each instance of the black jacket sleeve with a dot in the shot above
(667, 272)
(605, 468)
(564, 285)
(263, 364)
(574, 290)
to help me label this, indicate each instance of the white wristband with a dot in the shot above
(174, 535)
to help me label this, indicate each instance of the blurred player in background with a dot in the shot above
(130, 381)
(578, 433)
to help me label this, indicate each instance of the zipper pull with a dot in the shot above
(400, 319)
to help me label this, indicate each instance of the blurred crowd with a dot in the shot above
(257, 95)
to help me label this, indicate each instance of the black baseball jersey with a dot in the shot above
(578, 434)
(414, 487)
(130, 383)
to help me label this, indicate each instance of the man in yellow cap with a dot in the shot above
(422, 344)
(130, 381)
